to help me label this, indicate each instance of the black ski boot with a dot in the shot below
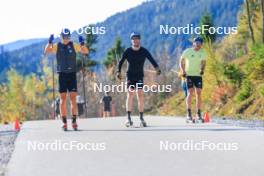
(189, 118)
(143, 123)
(199, 116)
(74, 123)
(129, 123)
(64, 126)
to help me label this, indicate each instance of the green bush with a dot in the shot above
(261, 90)
(255, 65)
(232, 73)
(245, 91)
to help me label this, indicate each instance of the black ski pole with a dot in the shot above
(81, 41)
(53, 88)
(51, 38)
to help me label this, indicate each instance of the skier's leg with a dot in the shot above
(73, 109)
(198, 102)
(189, 103)
(107, 113)
(73, 96)
(140, 98)
(129, 105)
(63, 109)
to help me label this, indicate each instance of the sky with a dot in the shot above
(25, 19)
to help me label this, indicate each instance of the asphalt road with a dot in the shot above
(169, 146)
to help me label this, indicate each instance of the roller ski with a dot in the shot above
(143, 123)
(189, 118)
(199, 117)
(199, 120)
(74, 124)
(64, 126)
(129, 124)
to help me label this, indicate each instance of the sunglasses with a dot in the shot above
(135, 38)
(66, 37)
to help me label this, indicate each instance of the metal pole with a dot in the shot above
(53, 87)
(84, 94)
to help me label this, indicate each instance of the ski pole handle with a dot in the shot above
(81, 40)
(51, 38)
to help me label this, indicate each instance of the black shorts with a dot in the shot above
(132, 84)
(194, 81)
(107, 108)
(67, 82)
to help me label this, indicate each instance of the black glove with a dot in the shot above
(158, 71)
(51, 38)
(81, 40)
(201, 72)
(184, 74)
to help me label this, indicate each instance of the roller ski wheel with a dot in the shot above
(200, 120)
(129, 124)
(75, 126)
(190, 120)
(143, 124)
(64, 127)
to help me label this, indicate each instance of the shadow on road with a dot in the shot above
(158, 129)
(5, 133)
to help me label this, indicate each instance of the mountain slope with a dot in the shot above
(146, 19)
(20, 44)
